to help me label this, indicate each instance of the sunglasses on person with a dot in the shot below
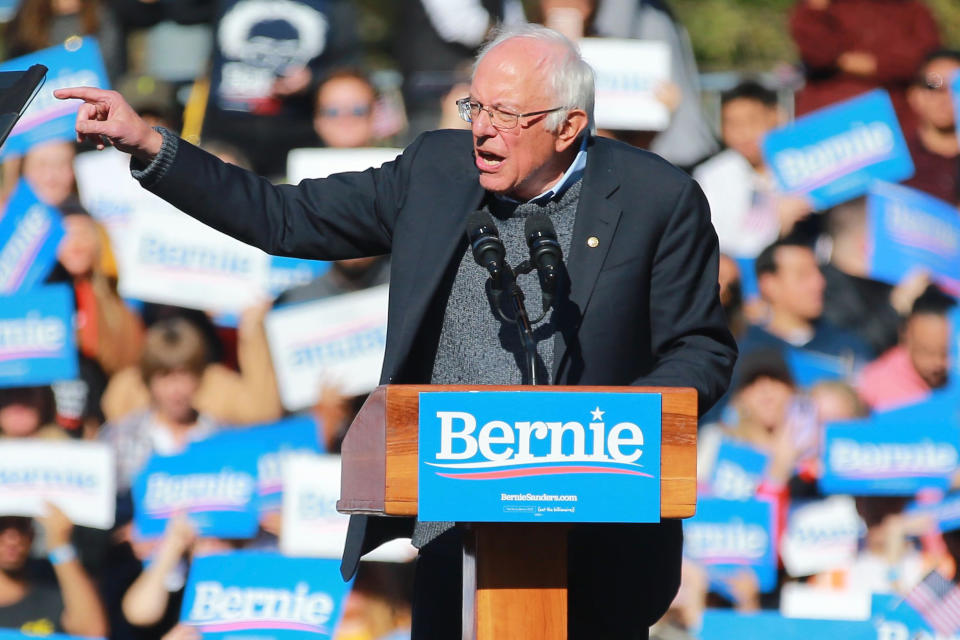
(356, 111)
(934, 82)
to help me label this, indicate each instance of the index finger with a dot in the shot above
(88, 94)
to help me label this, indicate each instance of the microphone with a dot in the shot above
(486, 245)
(545, 254)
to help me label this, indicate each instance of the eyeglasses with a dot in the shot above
(357, 111)
(470, 110)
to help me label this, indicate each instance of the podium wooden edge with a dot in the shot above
(382, 472)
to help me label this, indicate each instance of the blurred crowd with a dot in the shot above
(251, 80)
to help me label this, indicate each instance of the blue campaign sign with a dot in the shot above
(833, 154)
(726, 624)
(894, 618)
(886, 455)
(285, 273)
(748, 278)
(954, 375)
(539, 456)
(256, 595)
(728, 536)
(908, 229)
(738, 470)
(37, 341)
(75, 63)
(30, 233)
(215, 487)
(809, 367)
(271, 443)
(944, 512)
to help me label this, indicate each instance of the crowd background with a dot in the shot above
(155, 377)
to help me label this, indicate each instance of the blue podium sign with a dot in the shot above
(884, 456)
(833, 154)
(257, 595)
(539, 456)
(37, 342)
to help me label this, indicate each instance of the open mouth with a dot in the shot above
(487, 160)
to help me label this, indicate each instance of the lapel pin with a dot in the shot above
(593, 241)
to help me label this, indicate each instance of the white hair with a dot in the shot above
(570, 77)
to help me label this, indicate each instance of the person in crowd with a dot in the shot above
(731, 294)
(245, 396)
(48, 168)
(688, 138)
(762, 396)
(39, 24)
(448, 35)
(172, 364)
(849, 47)
(852, 301)
(268, 59)
(746, 209)
(933, 142)
(343, 118)
(525, 140)
(888, 561)
(791, 284)
(27, 412)
(919, 364)
(378, 606)
(70, 605)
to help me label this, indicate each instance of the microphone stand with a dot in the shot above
(522, 320)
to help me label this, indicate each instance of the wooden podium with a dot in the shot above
(514, 575)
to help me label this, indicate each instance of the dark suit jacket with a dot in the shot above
(642, 309)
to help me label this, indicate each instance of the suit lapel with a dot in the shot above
(596, 220)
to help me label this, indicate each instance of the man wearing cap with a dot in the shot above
(637, 305)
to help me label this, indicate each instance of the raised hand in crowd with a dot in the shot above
(858, 63)
(790, 211)
(908, 290)
(145, 602)
(83, 612)
(106, 117)
(819, 5)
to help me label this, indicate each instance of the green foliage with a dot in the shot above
(753, 34)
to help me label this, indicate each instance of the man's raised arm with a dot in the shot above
(348, 215)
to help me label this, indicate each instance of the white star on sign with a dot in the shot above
(597, 414)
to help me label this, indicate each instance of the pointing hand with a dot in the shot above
(105, 117)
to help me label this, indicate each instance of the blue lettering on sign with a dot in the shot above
(262, 594)
(908, 229)
(347, 347)
(216, 488)
(37, 344)
(30, 233)
(539, 456)
(882, 455)
(156, 252)
(833, 154)
(728, 536)
(76, 63)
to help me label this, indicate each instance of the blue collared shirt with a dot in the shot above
(573, 173)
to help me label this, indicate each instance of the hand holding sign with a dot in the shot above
(106, 116)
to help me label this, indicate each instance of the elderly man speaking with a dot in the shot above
(636, 304)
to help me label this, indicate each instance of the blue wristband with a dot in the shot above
(61, 554)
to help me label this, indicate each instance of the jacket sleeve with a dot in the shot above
(689, 337)
(347, 215)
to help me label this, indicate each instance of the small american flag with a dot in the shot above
(938, 601)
